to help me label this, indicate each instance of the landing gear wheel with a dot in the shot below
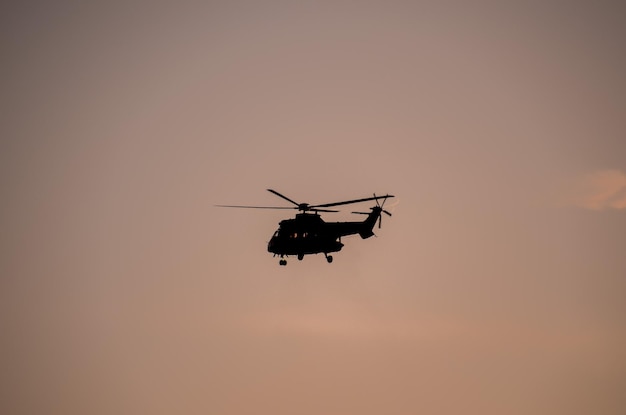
(300, 256)
(329, 258)
(282, 262)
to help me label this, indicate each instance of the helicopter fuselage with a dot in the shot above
(310, 234)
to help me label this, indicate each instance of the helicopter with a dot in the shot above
(309, 234)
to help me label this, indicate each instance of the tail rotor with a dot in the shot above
(379, 208)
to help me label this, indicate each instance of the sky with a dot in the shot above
(497, 286)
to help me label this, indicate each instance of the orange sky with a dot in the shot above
(498, 285)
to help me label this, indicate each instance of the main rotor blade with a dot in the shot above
(283, 196)
(351, 201)
(274, 207)
(256, 207)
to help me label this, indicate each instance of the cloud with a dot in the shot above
(351, 325)
(604, 189)
(479, 334)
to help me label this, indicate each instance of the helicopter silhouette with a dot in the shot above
(309, 234)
